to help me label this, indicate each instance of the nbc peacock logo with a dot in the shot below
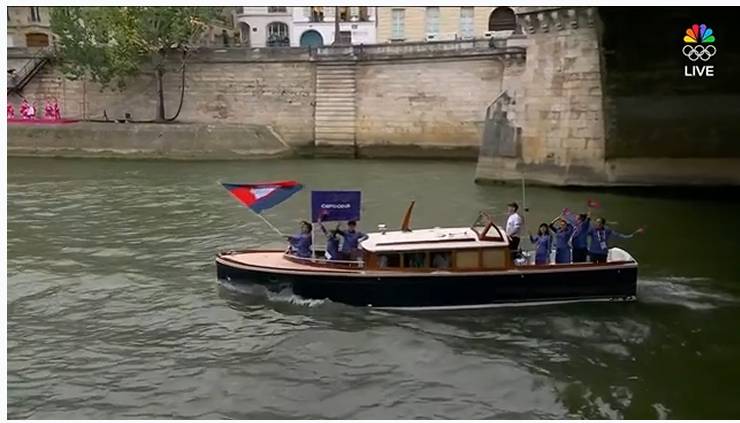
(699, 39)
(699, 46)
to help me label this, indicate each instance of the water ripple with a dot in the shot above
(114, 312)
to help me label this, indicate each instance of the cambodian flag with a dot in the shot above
(263, 195)
(594, 204)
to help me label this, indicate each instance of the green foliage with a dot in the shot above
(111, 44)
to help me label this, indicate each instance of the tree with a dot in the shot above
(109, 45)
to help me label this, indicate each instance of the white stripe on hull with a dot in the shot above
(513, 304)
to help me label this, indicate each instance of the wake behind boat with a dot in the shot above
(437, 268)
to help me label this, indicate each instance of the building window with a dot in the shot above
(364, 15)
(398, 29)
(317, 14)
(244, 34)
(345, 38)
(35, 14)
(432, 22)
(467, 28)
(277, 9)
(502, 19)
(37, 40)
(277, 35)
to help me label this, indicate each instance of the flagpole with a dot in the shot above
(313, 237)
(268, 223)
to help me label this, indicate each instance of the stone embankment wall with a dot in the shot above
(566, 104)
(406, 98)
(274, 88)
(150, 141)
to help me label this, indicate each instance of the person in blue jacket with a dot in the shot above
(352, 239)
(598, 249)
(543, 243)
(332, 243)
(300, 245)
(563, 232)
(581, 225)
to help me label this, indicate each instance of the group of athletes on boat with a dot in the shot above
(346, 248)
(576, 238)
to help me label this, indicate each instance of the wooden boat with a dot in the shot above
(438, 268)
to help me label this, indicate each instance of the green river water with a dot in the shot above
(114, 310)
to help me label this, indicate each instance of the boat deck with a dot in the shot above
(277, 260)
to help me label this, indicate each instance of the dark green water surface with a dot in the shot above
(114, 310)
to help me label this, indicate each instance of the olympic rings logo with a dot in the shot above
(699, 52)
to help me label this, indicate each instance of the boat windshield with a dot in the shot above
(481, 224)
(484, 227)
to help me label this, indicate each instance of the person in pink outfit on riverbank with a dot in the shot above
(11, 111)
(28, 110)
(56, 110)
(24, 109)
(48, 110)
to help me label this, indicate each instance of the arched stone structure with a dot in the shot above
(502, 19)
(244, 34)
(311, 38)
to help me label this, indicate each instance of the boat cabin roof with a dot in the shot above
(434, 239)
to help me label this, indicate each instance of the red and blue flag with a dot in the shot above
(264, 195)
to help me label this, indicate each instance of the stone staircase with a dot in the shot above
(335, 107)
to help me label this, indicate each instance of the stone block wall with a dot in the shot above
(418, 95)
(430, 102)
(277, 93)
(563, 115)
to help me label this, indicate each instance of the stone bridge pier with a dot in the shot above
(596, 104)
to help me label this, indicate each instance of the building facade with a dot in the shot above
(310, 26)
(222, 31)
(29, 26)
(419, 24)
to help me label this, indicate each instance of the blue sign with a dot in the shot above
(332, 206)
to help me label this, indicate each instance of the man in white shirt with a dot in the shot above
(514, 227)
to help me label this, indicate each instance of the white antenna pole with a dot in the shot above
(524, 203)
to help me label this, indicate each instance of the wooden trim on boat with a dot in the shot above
(317, 262)
(364, 273)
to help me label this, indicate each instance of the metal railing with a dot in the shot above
(18, 80)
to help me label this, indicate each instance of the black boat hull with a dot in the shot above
(451, 290)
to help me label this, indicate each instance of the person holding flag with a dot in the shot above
(332, 241)
(600, 234)
(300, 244)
